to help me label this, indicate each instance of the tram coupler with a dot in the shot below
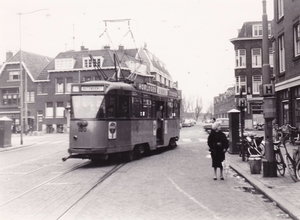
(65, 158)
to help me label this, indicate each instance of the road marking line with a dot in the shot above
(193, 199)
(202, 139)
(186, 139)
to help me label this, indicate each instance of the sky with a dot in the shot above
(192, 37)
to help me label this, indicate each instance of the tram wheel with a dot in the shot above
(172, 144)
(128, 156)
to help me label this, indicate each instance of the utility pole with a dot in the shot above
(268, 92)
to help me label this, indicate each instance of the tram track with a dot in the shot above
(97, 183)
(45, 182)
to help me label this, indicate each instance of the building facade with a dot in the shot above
(224, 103)
(49, 84)
(248, 69)
(32, 65)
(286, 44)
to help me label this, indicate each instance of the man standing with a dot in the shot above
(160, 119)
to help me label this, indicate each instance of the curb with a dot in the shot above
(282, 203)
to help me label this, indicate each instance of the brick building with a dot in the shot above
(248, 69)
(224, 103)
(286, 43)
(32, 65)
(49, 80)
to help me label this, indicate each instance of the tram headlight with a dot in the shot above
(75, 137)
(84, 123)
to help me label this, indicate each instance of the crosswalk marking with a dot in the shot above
(203, 140)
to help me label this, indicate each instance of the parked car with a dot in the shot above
(224, 125)
(193, 121)
(186, 123)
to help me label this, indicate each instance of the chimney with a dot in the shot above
(9, 55)
(106, 47)
(82, 48)
(121, 48)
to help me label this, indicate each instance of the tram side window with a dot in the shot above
(123, 106)
(176, 113)
(111, 106)
(170, 109)
(136, 107)
(147, 108)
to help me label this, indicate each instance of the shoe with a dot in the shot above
(222, 178)
(215, 178)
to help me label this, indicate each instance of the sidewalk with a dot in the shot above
(281, 190)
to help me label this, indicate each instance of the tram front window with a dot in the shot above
(88, 106)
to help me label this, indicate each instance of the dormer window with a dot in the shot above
(257, 30)
(88, 63)
(64, 64)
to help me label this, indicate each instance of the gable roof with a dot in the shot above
(33, 63)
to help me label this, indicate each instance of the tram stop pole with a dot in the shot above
(268, 93)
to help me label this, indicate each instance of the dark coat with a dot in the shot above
(217, 152)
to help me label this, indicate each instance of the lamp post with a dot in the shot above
(23, 92)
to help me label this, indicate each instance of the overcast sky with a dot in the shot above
(192, 37)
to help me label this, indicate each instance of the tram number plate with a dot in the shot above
(92, 88)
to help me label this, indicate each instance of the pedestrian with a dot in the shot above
(218, 145)
(160, 119)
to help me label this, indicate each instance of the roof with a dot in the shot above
(107, 54)
(33, 63)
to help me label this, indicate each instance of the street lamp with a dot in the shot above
(23, 100)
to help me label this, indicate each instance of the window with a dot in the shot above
(10, 97)
(256, 57)
(87, 62)
(87, 78)
(59, 85)
(111, 106)
(147, 108)
(297, 40)
(241, 83)
(60, 110)
(257, 30)
(176, 113)
(49, 109)
(123, 106)
(256, 82)
(14, 75)
(280, 11)
(285, 111)
(170, 109)
(271, 57)
(30, 97)
(281, 54)
(69, 81)
(42, 88)
(64, 64)
(297, 112)
(136, 107)
(240, 56)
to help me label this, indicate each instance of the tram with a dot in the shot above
(110, 117)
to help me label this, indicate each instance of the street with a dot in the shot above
(174, 184)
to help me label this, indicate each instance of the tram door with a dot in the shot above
(160, 114)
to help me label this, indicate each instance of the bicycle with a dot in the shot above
(291, 162)
(290, 133)
(277, 133)
(252, 145)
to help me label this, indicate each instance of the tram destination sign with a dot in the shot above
(92, 88)
(147, 88)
